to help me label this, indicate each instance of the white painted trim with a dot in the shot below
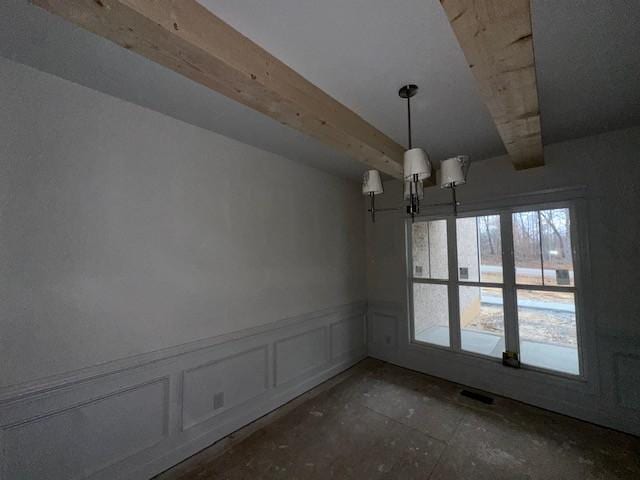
(254, 412)
(584, 329)
(34, 412)
(261, 348)
(14, 392)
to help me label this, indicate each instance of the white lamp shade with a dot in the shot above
(409, 185)
(452, 171)
(371, 183)
(416, 162)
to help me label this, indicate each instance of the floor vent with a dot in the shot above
(477, 396)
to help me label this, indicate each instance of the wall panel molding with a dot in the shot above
(52, 382)
(627, 380)
(300, 354)
(383, 331)
(135, 417)
(78, 440)
(214, 387)
(347, 336)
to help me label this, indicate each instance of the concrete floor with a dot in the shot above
(381, 421)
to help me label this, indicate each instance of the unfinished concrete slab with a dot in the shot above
(381, 421)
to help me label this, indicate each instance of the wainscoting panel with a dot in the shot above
(627, 376)
(347, 336)
(298, 355)
(211, 389)
(383, 330)
(77, 441)
(137, 417)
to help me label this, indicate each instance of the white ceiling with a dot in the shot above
(361, 52)
(588, 65)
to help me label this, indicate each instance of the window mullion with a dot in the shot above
(429, 248)
(512, 343)
(577, 283)
(454, 304)
(540, 243)
(478, 251)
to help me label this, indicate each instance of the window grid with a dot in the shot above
(509, 285)
(421, 285)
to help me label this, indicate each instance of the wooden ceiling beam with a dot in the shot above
(497, 39)
(187, 38)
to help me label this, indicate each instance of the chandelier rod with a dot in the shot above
(409, 120)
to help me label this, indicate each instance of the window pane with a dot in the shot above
(467, 240)
(429, 242)
(438, 249)
(431, 313)
(482, 320)
(490, 248)
(556, 246)
(420, 246)
(526, 248)
(547, 325)
(479, 249)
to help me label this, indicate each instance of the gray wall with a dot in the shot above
(608, 168)
(123, 231)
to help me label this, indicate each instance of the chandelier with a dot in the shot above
(416, 169)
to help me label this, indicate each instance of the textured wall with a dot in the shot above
(124, 231)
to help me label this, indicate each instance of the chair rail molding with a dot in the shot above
(135, 417)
